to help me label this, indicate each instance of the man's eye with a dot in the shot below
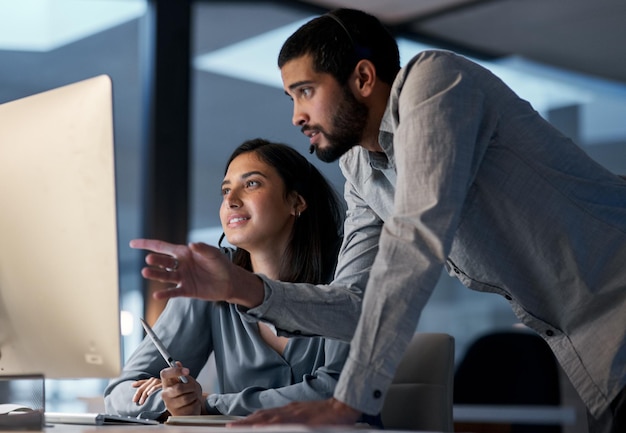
(225, 191)
(306, 91)
(252, 183)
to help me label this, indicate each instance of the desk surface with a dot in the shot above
(162, 428)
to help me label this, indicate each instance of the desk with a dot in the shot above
(162, 428)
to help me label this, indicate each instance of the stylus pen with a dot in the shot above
(162, 350)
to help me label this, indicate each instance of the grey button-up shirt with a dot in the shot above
(473, 179)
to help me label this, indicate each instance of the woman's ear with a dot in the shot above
(298, 205)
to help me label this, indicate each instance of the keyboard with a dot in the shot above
(94, 419)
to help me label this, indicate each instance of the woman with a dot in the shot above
(285, 220)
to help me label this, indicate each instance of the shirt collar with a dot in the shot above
(383, 161)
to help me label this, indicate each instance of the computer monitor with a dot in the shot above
(59, 283)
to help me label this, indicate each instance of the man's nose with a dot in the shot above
(299, 117)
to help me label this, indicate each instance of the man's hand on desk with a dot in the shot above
(323, 412)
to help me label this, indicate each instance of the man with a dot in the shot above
(444, 166)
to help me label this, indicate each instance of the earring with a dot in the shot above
(298, 214)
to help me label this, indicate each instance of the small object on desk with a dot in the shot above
(18, 417)
(11, 409)
(94, 419)
(206, 420)
(162, 350)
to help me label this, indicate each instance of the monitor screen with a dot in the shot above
(59, 284)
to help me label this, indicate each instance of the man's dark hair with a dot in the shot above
(338, 40)
(312, 251)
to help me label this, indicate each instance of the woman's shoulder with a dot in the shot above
(188, 308)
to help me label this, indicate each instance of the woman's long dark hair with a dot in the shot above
(314, 244)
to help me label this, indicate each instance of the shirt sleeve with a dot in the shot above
(179, 327)
(318, 385)
(327, 310)
(437, 111)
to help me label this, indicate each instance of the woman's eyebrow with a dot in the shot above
(252, 173)
(245, 176)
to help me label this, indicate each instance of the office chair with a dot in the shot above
(420, 396)
(508, 368)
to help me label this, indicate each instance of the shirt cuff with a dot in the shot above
(269, 310)
(255, 314)
(362, 388)
(211, 404)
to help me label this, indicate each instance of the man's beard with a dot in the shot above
(347, 129)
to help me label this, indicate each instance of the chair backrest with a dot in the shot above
(420, 397)
(509, 368)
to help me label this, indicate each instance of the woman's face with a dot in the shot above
(255, 213)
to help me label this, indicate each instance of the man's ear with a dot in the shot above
(363, 78)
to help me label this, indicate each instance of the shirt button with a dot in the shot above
(377, 393)
(549, 332)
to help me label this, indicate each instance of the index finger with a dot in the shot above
(170, 376)
(154, 245)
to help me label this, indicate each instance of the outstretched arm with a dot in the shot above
(296, 309)
(198, 271)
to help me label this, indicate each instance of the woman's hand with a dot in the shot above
(199, 271)
(181, 398)
(145, 388)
